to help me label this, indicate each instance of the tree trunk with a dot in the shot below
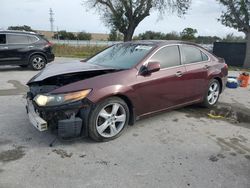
(247, 57)
(128, 36)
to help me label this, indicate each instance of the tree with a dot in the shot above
(188, 34)
(231, 38)
(237, 16)
(173, 36)
(21, 28)
(151, 35)
(64, 35)
(125, 15)
(115, 35)
(207, 39)
(84, 36)
(70, 36)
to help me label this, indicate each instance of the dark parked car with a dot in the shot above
(122, 84)
(25, 49)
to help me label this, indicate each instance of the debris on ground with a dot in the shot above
(62, 153)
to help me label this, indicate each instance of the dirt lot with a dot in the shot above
(182, 148)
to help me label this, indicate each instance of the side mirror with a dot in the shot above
(150, 68)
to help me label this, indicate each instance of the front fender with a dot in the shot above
(98, 95)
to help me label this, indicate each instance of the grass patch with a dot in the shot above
(62, 50)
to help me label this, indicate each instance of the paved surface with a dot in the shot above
(181, 148)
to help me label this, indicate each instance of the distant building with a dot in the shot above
(95, 36)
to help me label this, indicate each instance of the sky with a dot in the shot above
(75, 16)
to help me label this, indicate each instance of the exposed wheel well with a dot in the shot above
(130, 106)
(220, 82)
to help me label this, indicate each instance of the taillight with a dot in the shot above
(49, 44)
(225, 66)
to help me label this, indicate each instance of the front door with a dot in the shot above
(165, 88)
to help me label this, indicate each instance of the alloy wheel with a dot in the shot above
(38, 63)
(213, 93)
(111, 120)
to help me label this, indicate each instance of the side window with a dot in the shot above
(168, 56)
(32, 39)
(191, 54)
(17, 39)
(204, 57)
(2, 39)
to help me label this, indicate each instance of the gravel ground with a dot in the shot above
(182, 148)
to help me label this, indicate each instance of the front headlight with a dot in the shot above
(59, 99)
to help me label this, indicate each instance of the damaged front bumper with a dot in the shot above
(67, 121)
(34, 118)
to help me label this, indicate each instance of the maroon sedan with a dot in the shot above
(123, 83)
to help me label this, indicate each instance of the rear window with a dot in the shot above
(43, 38)
(2, 39)
(17, 39)
(191, 54)
(32, 39)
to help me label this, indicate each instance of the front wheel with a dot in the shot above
(108, 119)
(37, 62)
(212, 94)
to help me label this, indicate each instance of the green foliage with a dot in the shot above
(21, 28)
(173, 36)
(151, 35)
(207, 39)
(115, 35)
(76, 51)
(125, 16)
(64, 35)
(236, 15)
(231, 38)
(84, 36)
(188, 34)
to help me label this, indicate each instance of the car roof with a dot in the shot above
(17, 32)
(162, 42)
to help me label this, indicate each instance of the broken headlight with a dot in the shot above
(60, 99)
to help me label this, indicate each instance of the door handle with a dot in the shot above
(4, 48)
(30, 46)
(178, 74)
(206, 67)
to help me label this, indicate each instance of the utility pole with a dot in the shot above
(51, 19)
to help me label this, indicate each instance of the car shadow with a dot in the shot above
(14, 68)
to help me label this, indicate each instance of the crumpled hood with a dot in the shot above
(55, 69)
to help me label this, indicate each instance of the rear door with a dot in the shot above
(18, 48)
(196, 63)
(163, 89)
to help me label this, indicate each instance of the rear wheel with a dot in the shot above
(108, 119)
(212, 94)
(37, 62)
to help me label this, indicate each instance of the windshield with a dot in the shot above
(123, 56)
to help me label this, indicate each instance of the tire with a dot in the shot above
(37, 62)
(108, 119)
(23, 66)
(213, 93)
